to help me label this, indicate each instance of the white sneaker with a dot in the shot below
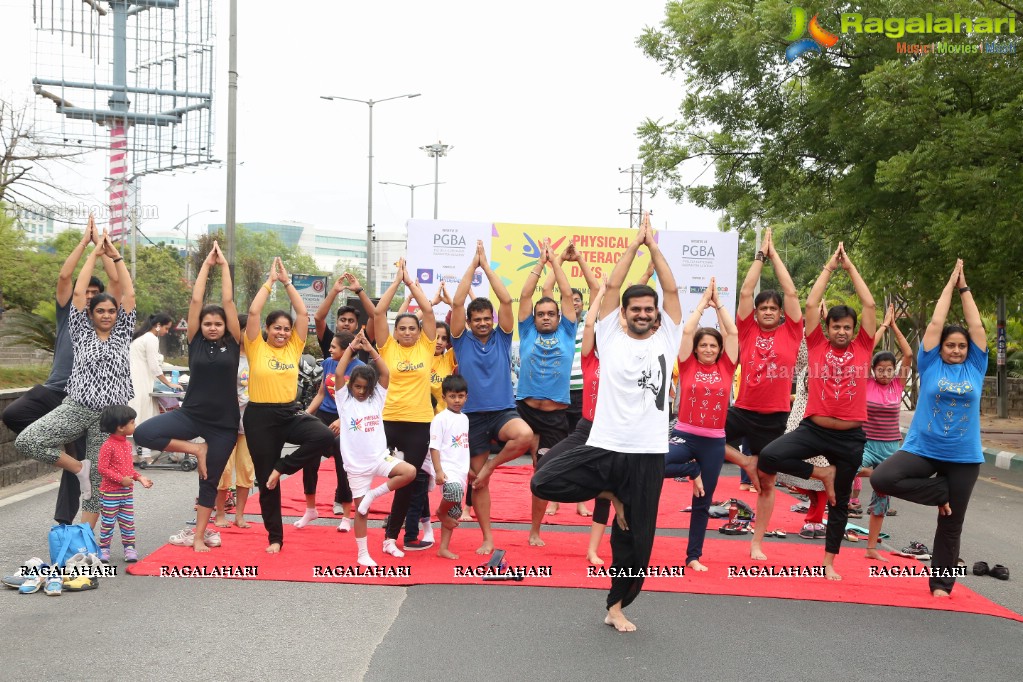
(338, 509)
(185, 538)
(345, 525)
(391, 547)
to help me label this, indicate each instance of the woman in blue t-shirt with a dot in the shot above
(940, 459)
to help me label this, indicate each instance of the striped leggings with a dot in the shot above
(119, 506)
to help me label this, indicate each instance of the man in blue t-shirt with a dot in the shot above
(546, 347)
(484, 359)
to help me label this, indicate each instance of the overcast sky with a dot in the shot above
(541, 101)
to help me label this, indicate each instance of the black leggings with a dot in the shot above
(576, 438)
(843, 449)
(413, 439)
(932, 482)
(582, 473)
(268, 426)
(19, 415)
(157, 432)
(311, 471)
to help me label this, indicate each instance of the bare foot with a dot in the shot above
(617, 619)
(945, 510)
(581, 510)
(465, 516)
(240, 521)
(940, 594)
(271, 481)
(535, 541)
(446, 554)
(756, 553)
(698, 490)
(619, 509)
(750, 467)
(830, 574)
(199, 546)
(872, 553)
(594, 559)
(486, 548)
(552, 508)
(274, 548)
(696, 566)
(221, 522)
(826, 475)
(482, 479)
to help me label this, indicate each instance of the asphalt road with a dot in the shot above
(179, 629)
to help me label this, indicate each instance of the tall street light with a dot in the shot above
(435, 151)
(369, 210)
(187, 223)
(412, 212)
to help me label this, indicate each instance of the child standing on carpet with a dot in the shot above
(449, 450)
(362, 439)
(118, 478)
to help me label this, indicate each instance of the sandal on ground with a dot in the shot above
(733, 528)
(851, 536)
(999, 571)
(777, 533)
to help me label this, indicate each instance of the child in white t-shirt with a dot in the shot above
(449, 450)
(364, 445)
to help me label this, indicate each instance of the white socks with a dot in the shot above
(426, 528)
(83, 479)
(373, 494)
(345, 525)
(390, 547)
(310, 515)
(364, 558)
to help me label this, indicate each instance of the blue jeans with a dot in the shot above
(691, 456)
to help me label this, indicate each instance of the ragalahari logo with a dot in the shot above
(818, 41)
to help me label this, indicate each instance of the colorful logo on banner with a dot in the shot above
(531, 249)
(425, 276)
(818, 41)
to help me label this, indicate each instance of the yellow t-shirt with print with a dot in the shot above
(408, 393)
(273, 372)
(443, 367)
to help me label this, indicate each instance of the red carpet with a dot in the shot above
(510, 500)
(319, 546)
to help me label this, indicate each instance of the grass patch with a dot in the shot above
(23, 377)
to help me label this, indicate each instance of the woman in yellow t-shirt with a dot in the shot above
(407, 411)
(273, 416)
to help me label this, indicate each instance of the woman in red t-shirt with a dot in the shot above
(696, 450)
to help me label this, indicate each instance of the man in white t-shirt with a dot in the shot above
(624, 457)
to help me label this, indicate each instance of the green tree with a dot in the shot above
(160, 284)
(912, 160)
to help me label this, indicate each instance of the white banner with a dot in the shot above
(440, 251)
(695, 257)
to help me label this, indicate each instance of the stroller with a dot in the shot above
(166, 401)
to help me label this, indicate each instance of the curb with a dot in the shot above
(1002, 459)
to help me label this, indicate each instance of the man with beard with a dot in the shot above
(839, 366)
(623, 459)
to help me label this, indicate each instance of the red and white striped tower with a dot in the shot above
(118, 172)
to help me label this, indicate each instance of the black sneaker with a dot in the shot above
(417, 545)
(916, 550)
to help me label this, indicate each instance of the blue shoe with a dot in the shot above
(54, 585)
(14, 581)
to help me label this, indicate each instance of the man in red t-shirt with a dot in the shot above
(768, 346)
(839, 365)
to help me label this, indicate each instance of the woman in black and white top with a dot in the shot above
(101, 333)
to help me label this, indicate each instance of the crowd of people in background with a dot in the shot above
(611, 400)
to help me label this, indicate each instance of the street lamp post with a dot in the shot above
(435, 151)
(188, 223)
(369, 208)
(412, 208)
